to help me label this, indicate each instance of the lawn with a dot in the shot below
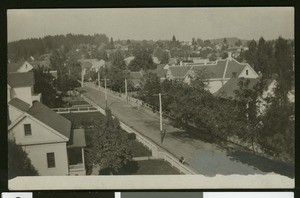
(146, 167)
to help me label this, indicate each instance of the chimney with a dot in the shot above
(259, 74)
(234, 74)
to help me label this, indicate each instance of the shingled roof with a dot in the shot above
(161, 73)
(50, 118)
(25, 79)
(179, 71)
(19, 104)
(228, 90)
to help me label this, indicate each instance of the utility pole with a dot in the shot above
(160, 112)
(126, 90)
(99, 78)
(82, 77)
(105, 93)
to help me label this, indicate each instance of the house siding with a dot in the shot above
(38, 157)
(23, 93)
(39, 133)
(251, 73)
(13, 113)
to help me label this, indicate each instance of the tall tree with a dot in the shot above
(250, 55)
(109, 146)
(143, 60)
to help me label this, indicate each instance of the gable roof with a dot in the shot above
(19, 104)
(179, 71)
(25, 79)
(221, 68)
(228, 89)
(50, 118)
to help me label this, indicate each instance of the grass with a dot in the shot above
(145, 167)
(156, 167)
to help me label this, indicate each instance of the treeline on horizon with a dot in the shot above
(23, 49)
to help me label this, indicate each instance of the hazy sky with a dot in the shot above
(154, 23)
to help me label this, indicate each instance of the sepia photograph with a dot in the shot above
(151, 98)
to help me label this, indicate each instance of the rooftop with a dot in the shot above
(19, 104)
(25, 79)
(50, 118)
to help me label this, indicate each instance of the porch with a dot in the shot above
(75, 151)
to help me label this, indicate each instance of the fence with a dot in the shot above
(155, 153)
(75, 110)
(174, 162)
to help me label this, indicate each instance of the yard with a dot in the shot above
(144, 167)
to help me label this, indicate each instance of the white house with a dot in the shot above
(218, 73)
(47, 138)
(20, 85)
(19, 67)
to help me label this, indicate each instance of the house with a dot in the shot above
(218, 73)
(20, 85)
(47, 137)
(228, 90)
(19, 67)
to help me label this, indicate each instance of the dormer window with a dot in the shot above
(27, 129)
(247, 72)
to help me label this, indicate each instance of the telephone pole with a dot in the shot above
(99, 78)
(126, 95)
(82, 76)
(160, 112)
(105, 93)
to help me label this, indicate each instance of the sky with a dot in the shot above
(154, 23)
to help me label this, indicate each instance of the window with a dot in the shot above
(50, 160)
(247, 72)
(27, 129)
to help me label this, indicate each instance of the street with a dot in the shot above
(204, 157)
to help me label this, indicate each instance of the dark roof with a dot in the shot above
(77, 139)
(14, 67)
(24, 79)
(41, 63)
(50, 118)
(179, 71)
(213, 70)
(234, 66)
(227, 90)
(19, 104)
(217, 70)
(161, 73)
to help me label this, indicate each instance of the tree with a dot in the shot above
(109, 145)
(238, 43)
(143, 60)
(57, 61)
(213, 57)
(250, 55)
(18, 162)
(111, 43)
(46, 85)
(224, 55)
(284, 64)
(117, 60)
(162, 55)
(150, 89)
